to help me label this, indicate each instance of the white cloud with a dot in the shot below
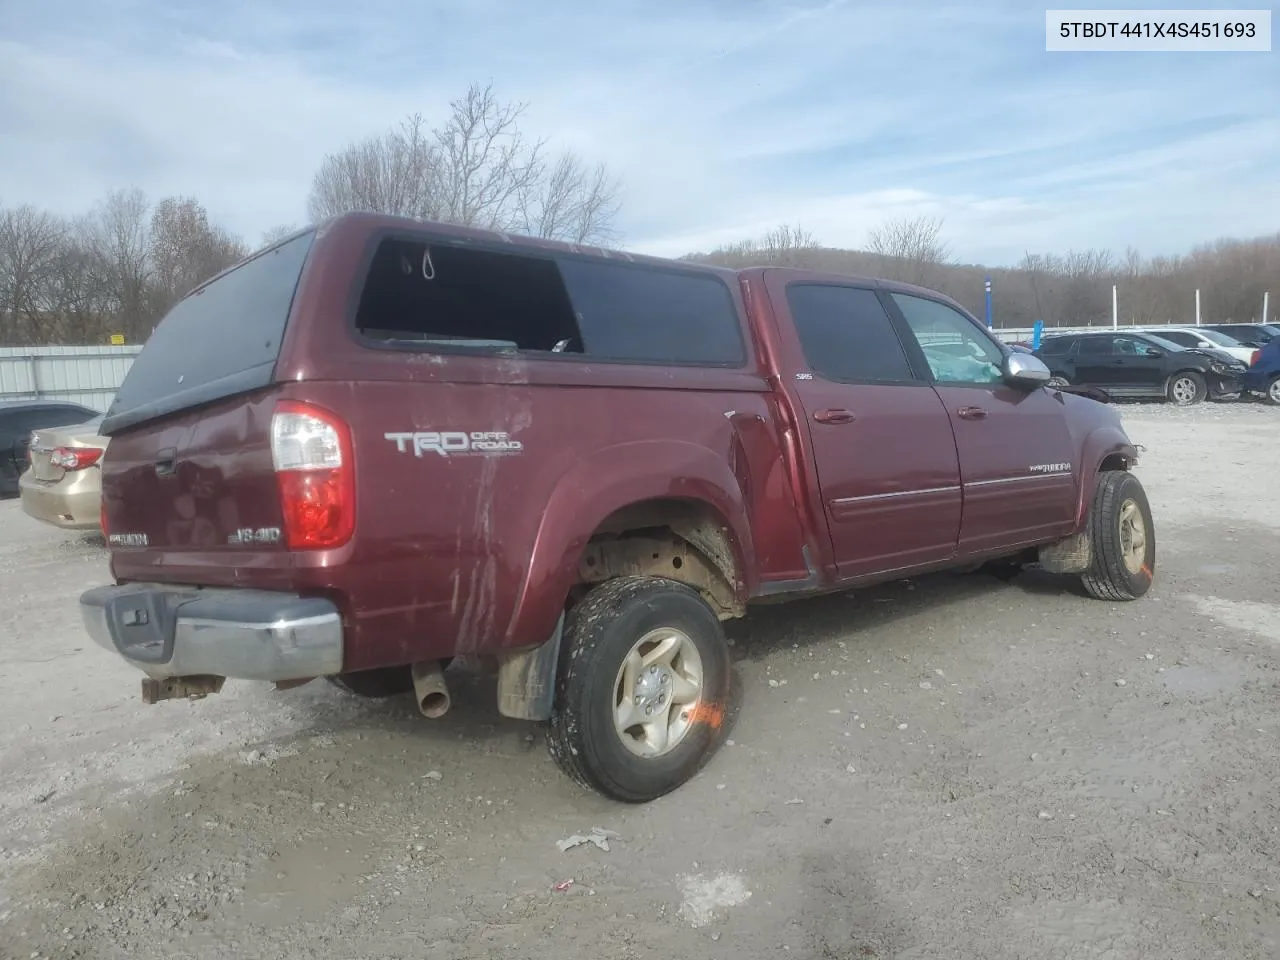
(723, 119)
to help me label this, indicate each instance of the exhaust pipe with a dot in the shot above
(430, 688)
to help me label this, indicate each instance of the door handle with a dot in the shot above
(165, 466)
(834, 416)
(972, 413)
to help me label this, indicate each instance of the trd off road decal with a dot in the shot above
(456, 443)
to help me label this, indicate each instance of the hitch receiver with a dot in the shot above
(176, 688)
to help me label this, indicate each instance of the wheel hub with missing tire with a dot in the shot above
(657, 692)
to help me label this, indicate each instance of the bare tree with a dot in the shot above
(567, 201)
(394, 173)
(30, 244)
(116, 235)
(909, 248)
(116, 269)
(185, 250)
(477, 169)
(276, 234)
(784, 245)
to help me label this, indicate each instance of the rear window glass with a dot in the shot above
(443, 295)
(1095, 346)
(221, 340)
(1054, 346)
(653, 315)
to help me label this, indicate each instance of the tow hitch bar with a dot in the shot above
(175, 688)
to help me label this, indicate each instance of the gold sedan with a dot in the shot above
(62, 485)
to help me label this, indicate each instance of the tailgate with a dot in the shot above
(202, 482)
(189, 487)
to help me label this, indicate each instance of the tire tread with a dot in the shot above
(1107, 577)
(585, 626)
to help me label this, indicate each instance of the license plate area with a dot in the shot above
(142, 623)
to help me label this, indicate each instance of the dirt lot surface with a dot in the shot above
(955, 767)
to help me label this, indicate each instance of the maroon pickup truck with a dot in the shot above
(381, 444)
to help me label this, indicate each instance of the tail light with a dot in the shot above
(315, 472)
(75, 458)
(1253, 360)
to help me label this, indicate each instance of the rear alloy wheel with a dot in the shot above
(1273, 390)
(1123, 539)
(1058, 381)
(1186, 388)
(642, 690)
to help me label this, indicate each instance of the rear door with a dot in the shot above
(1017, 459)
(882, 443)
(1095, 362)
(189, 467)
(1138, 365)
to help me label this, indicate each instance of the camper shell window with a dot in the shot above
(448, 296)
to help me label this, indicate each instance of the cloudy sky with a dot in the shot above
(722, 117)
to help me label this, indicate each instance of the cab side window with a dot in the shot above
(1095, 347)
(1129, 347)
(846, 334)
(957, 350)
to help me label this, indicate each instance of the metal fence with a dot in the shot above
(88, 376)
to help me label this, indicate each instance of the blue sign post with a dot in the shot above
(988, 285)
(1036, 331)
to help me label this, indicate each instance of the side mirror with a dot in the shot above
(1025, 370)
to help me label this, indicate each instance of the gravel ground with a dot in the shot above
(953, 767)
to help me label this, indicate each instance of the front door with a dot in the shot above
(1018, 463)
(881, 439)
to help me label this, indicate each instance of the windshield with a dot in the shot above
(1166, 344)
(1219, 338)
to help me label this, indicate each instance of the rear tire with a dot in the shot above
(1273, 390)
(1122, 537)
(642, 691)
(1186, 388)
(1058, 380)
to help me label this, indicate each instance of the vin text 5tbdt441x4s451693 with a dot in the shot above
(381, 444)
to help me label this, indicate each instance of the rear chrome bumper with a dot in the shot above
(169, 631)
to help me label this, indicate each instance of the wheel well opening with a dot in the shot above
(683, 540)
(1114, 461)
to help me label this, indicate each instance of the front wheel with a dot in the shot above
(1186, 388)
(643, 685)
(1123, 539)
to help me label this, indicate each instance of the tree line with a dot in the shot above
(118, 268)
(1067, 289)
